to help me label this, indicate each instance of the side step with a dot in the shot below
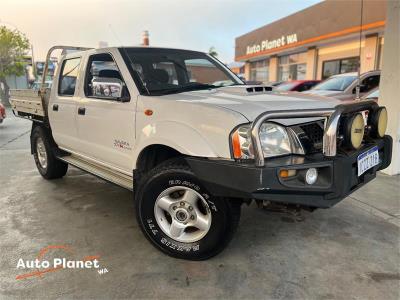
(108, 174)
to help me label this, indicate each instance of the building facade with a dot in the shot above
(315, 43)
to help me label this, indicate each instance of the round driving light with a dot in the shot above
(311, 175)
(379, 121)
(355, 131)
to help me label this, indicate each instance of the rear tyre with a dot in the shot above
(180, 217)
(46, 162)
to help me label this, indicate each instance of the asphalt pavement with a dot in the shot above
(350, 251)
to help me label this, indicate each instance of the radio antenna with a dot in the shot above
(359, 52)
(129, 58)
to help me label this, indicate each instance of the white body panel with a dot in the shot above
(192, 128)
(100, 135)
(27, 101)
(251, 105)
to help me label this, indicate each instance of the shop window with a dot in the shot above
(339, 66)
(259, 70)
(292, 67)
(330, 68)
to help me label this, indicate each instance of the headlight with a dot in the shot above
(274, 140)
(378, 121)
(242, 147)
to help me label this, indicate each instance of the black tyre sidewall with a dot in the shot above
(210, 244)
(38, 133)
(55, 168)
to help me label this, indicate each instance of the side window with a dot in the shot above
(306, 86)
(68, 75)
(303, 87)
(103, 79)
(370, 83)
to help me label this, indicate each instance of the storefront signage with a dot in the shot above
(272, 44)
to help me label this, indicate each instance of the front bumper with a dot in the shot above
(337, 177)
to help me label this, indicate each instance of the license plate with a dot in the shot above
(367, 160)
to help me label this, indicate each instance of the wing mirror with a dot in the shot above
(363, 88)
(109, 88)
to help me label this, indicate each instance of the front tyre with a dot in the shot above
(46, 162)
(180, 217)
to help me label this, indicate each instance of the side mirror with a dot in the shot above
(363, 88)
(109, 88)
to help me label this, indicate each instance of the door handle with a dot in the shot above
(81, 111)
(55, 107)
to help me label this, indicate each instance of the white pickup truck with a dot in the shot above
(193, 142)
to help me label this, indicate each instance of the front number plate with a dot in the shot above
(367, 160)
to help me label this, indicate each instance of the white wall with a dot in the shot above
(390, 81)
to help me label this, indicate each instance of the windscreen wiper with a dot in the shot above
(193, 86)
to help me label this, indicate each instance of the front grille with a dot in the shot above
(315, 133)
(310, 136)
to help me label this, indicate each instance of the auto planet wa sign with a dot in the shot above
(272, 44)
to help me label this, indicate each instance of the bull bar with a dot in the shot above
(332, 117)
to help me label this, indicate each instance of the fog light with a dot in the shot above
(354, 131)
(379, 120)
(311, 175)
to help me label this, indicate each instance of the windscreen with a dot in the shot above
(286, 86)
(166, 71)
(337, 83)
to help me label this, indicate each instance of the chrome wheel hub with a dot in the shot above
(182, 214)
(41, 153)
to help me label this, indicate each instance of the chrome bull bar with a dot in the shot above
(333, 116)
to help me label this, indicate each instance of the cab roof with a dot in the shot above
(94, 50)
